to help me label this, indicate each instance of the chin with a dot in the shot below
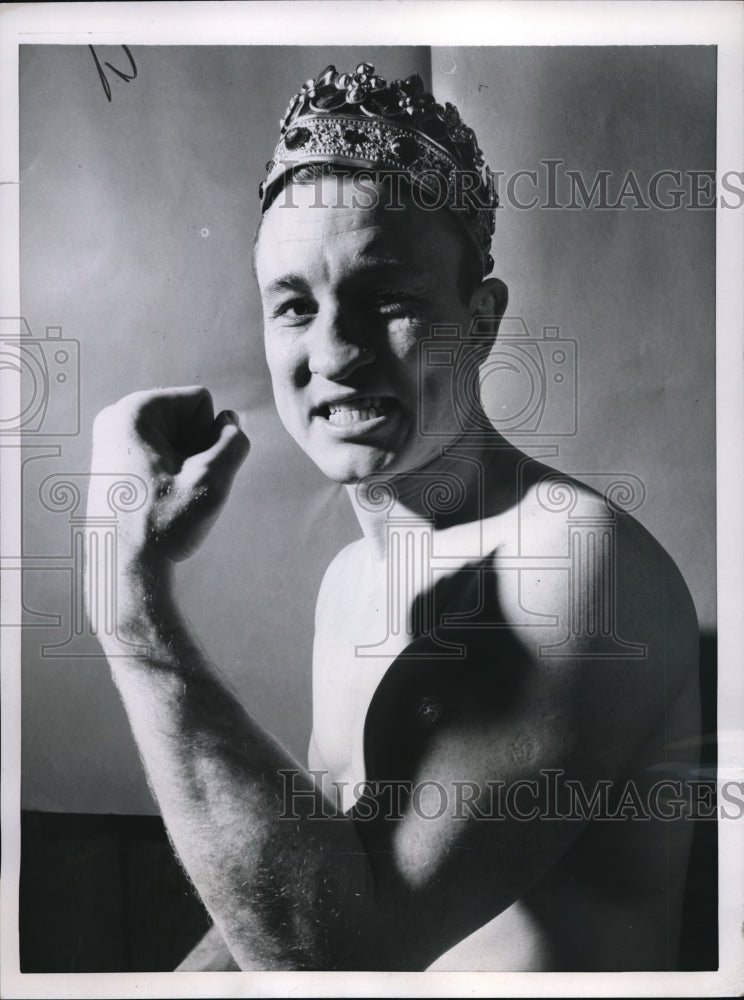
(348, 472)
(348, 464)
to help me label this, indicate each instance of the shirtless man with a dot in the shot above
(505, 669)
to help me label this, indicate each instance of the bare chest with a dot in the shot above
(353, 649)
(369, 619)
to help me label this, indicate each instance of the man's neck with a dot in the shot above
(470, 479)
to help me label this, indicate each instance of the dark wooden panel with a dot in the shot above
(103, 894)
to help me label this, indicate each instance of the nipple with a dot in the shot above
(429, 709)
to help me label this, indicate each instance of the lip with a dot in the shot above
(352, 429)
(321, 408)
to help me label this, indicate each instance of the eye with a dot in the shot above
(391, 303)
(296, 310)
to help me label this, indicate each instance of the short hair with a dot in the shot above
(470, 268)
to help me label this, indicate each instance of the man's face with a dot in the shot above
(348, 294)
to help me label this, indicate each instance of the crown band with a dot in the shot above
(358, 121)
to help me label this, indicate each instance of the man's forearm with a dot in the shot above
(284, 893)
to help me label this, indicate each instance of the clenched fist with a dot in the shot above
(170, 439)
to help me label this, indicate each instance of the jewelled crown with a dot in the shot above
(359, 120)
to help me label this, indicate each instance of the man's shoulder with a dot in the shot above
(558, 515)
(341, 571)
(576, 557)
(345, 560)
(552, 505)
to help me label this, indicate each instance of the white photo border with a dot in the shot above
(399, 22)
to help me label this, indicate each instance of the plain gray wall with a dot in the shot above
(137, 222)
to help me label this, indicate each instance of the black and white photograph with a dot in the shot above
(370, 437)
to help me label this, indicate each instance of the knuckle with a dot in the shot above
(242, 443)
(234, 446)
(135, 400)
(194, 392)
(126, 410)
(102, 417)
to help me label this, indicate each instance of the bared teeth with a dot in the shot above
(356, 410)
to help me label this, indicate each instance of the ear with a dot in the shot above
(488, 305)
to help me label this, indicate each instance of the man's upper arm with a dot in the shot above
(470, 742)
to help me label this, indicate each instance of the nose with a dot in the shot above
(337, 349)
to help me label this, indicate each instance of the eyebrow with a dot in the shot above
(366, 268)
(373, 261)
(375, 265)
(370, 269)
(288, 283)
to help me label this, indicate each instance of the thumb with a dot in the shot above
(221, 460)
